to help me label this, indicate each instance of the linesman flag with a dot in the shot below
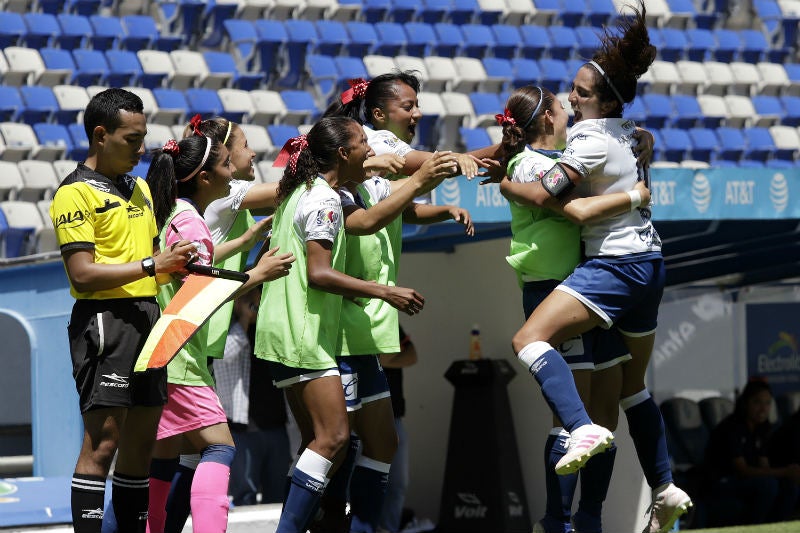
(203, 291)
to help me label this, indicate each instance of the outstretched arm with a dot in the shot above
(430, 214)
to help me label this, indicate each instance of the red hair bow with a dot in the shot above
(505, 118)
(291, 152)
(195, 124)
(358, 88)
(171, 147)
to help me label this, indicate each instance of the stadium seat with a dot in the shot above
(40, 103)
(719, 78)
(12, 29)
(206, 103)
(301, 34)
(271, 42)
(774, 80)
(157, 137)
(554, 74)
(428, 128)
(253, 9)
(754, 46)
(156, 65)
(195, 62)
(704, 144)
(270, 174)
(148, 101)
(375, 10)
(700, 44)
(72, 100)
(433, 11)
(506, 40)
(107, 32)
(715, 112)
(664, 77)
(39, 180)
(10, 180)
(485, 106)
(535, 41)
(377, 65)
(511, 12)
(674, 44)
(792, 72)
(636, 111)
(545, 12)
(172, 105)
(499, 72)
(279, 134)
(300, 107)
(676, 144)
(53, 137)
(479, 40)
(573, 13)
(787, 142)
(731, 143)
(91, 67)
(713, 410)
(21, 142)
(729, 45)
(791, 106)
(82, 7)
(52, 66)
(11, 103)
(24, 224)
(687, 435)
(353, 67)
(449, 39)
(587, 41)
(681, 13)
(123, 68)
(442, 73)
(142, 32)
(268, 107)
(242, 40)
(331, 37)
(562, 42)
(760, 145)
(526, 72)
(402, 11)
(236, 102)
(284, 10)
(80, 143)
(687, 111)
(659, 109)
(471, 76)
(322, 75)
(692, 77)
(458, 113)
(13, 76)
(769, 111)
(466, 12)
(411, 63)
(740, 110)
(345, 10)
(47, 241)
(363, 38)
(746, 78)
(600, 12)
(63, 168)
(42, 30)
(391, 38)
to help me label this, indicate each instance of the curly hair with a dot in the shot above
(320, 156)
(625, 54)
(167, 170)
(380, 91)
(527, 106)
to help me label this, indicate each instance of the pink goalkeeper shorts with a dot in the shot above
(189, 408)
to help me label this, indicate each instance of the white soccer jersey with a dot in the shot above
(319, 214)
(221, 213)
(377, 187)
(386, 142)
(601, 151)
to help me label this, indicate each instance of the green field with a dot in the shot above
(779, 527)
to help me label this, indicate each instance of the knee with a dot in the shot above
(334, 441)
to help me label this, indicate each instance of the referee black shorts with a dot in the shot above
(105, 338)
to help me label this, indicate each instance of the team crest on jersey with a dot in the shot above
(555, 178)
(327, 217)
(72, 219)
(99, 185)
(392, 141)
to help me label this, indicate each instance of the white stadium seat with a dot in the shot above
(39, 180)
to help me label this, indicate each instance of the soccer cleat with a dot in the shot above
(667, 506)
(584, 442)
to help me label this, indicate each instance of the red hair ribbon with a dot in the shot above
(505, 118)
(358, 88)
(291, 152)
(195, 124)
(171, 147)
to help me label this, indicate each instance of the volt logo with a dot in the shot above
(470, 507)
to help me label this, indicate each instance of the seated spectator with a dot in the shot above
(738, 465)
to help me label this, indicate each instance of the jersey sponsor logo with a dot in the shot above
(470, 507)
(99, 185)
(96, 514)
(134, 211)
(107, 206)
(115, 381)
(327, 217)
(350, 386)
(72, 219)
(515, 508)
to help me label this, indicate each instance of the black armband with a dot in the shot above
(557, 181)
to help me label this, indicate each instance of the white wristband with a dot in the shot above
(636, 199)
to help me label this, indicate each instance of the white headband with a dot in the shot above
(608, 80)
(202, 163)
(536, 110)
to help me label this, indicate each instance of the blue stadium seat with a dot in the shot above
(659, 109)
(402, 11)
(535, 41)
(768, 106)
(433, 11)
(224, 62)
(391, 38)
(243, 38)
(526, 72)
(54, 7)
(11, 104)
(760, 144)
(56, 134)
(80, 143)
(211, 14)
(674, 44)
(58, 59)
(323, 74)
(171, 99)
(474, 138)
(637, 112)
(478, 40)
(301, 34)
(574, 65)
(562, 42)
(280, 133)
(12, 29)
(206, 102)
(272, 38)
(141, 169)
(676, 144)
(82, 7)
(684, 9)
(754, 46)
(729, 45)
(781, 28)
(43, 30)
(331, 37)
(465, 11)
(75, 30)
(687, 111)
(90, 67)
(142, 32)
(704, 144)
(350, 68)
(363, 38)
(600, 12)
(499, 68)
(421, 38)
(731, 143)
(40, 104)
(572, 13)
(587, 41)
(300, 105)
(793, 72)
(107, 32)
(375, 10)
(700, 44)
(486, 106)
(450, 39)
(506, 40)
(791, 106)
(554, 75)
